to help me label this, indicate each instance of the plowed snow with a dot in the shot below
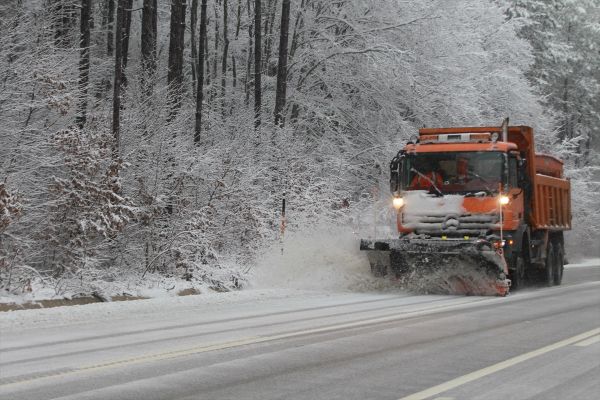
(318, 259)
(330, 260)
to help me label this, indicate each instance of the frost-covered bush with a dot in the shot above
(86, 209)
(10, 251)
(10, 208)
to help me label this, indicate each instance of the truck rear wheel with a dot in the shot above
(550, 265)
(517, 272)
(559, 263)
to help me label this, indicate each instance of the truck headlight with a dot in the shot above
(398, 202)
(504, 200)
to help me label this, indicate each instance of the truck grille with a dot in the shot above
(452, 225)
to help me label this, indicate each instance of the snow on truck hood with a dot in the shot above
(420, 202)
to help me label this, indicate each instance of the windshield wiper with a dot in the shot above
(476, 193)
(483, 180)
(430, 181)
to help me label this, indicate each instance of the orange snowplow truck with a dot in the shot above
(479, 204)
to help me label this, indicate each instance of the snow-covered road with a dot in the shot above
(304, 344)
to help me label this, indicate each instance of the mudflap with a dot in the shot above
(470, 267)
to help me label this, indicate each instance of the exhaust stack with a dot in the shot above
(505, 130)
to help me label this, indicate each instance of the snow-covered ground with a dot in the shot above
(151, 285)
(160, 307)
(314, 266)
(111, 350)
(314, 259)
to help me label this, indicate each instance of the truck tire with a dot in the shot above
(559, 263)
(548, 277)
(517, 272)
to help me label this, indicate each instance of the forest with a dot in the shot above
(149, 139)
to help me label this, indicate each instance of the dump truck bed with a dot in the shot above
(551, 195)
(551, 203)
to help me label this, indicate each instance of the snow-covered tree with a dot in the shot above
(200, 204)
(565, 37)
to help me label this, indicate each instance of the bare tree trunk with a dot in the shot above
(248, 82)
(126, 34)
(207, 56)
(266, 30)
(224, 59)
(280, 95)
(118, 75)
(193, 23)
(56, 10)
(108, 18)
(233, 71)
(148, 39)
(257, 63)
(299, 24)
(64, 14)
(269, 24)
(84, 60)
(217, 34)
(238, 23)
(199, 91)
(110, 27)
(176, 45)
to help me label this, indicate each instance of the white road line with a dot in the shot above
(587, 342)
(461, 380)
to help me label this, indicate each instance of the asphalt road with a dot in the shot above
(539, 343)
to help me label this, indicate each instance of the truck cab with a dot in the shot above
(479, 196)
(455, 185)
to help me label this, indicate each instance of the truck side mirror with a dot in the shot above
(521, 170)
(395, 171)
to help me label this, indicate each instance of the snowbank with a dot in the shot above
(157, 308)
(129, 285)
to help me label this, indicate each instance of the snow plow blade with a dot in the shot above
(440, 266)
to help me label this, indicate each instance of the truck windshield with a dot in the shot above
(457, 172)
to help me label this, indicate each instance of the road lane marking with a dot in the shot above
(33, 376)
(461, 380)
(241, 318)
(12, 381)
(172, 354)
(587, 342)
(237, 343)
